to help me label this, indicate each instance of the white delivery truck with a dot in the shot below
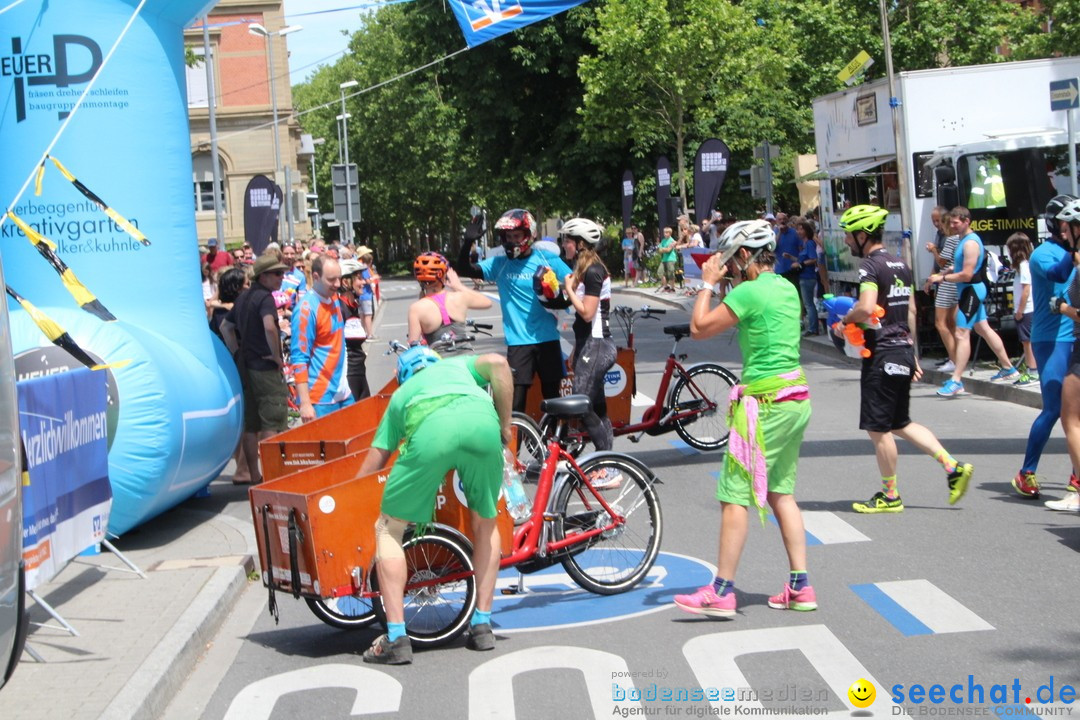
(983, 136)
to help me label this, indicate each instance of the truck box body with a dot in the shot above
(991, 123)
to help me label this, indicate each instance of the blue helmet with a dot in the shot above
(415, 359)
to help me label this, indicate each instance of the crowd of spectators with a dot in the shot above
(295, 319)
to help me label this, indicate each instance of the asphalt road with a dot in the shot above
(978, 598)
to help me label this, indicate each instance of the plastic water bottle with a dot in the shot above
(517, 502)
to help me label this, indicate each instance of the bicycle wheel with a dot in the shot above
(616, 560)
(706, 430)
(530, 448)
(346, 613)
(437, 612)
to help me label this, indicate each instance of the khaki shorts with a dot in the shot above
(265, 401)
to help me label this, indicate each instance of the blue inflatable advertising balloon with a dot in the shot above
(109, 232)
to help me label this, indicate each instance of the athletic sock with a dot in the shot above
(479, 617)
(798, 580)
(948, 462)
(721, 586)
(394, 631)
(888, 486)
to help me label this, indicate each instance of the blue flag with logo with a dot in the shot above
(483, 20)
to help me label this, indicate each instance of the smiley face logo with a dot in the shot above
(861, 693)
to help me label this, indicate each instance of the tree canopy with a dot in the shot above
(551, 115)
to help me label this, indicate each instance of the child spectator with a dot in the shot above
(1019, 247)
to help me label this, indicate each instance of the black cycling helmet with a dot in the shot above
(1053, 209)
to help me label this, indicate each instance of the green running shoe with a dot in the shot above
(958, 482)
(879, 504)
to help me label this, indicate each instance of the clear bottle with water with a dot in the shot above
(517, 502)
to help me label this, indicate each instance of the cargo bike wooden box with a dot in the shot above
(316, 538)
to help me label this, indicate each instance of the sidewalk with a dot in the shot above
(976, 382)
(138, 638)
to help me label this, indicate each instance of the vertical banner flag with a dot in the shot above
(66, 505)
(262, 202)
(627, 198)
(663, 193)
(710, 170)
(483, 20)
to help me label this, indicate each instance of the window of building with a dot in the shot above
(198, 96)
(203, 176)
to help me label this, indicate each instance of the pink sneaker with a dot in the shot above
(706, 602)
(788, 599)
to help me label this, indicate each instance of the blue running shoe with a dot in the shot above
(951, 388)
(1005, 374)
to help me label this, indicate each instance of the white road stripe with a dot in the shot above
(933, 607)
(830, 529)
(641, 400)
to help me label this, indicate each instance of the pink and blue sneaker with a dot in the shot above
(802, 600)
(706, 602)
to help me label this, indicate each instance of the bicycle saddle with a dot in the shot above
(570, 406)
(679, 331)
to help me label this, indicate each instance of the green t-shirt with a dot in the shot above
(769, 330)
(433, 387)
(667, 250)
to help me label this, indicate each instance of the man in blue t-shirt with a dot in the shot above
(532, 337)
(787, 250)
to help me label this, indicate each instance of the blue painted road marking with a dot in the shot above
(891, 610)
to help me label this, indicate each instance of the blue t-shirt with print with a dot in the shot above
(786, 242)
(525, 321)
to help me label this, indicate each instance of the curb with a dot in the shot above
(827, 352)
(974, 386)
(151, 688)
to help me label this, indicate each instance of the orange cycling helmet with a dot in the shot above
(430, 267)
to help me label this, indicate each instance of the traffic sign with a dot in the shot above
(1064, 94)
(853, 69)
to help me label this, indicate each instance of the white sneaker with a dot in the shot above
(948, 367)
(1069, 503)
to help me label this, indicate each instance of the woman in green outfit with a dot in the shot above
(769, 412)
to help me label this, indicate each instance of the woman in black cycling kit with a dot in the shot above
(589, 290)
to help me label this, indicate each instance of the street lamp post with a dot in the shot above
(314, 184)
(345, 140)
(257, 29)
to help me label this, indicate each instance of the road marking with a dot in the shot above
(683, 447)
(641, 400)
(491, 686)
(826, 528)
(714, 661)
(376, 692)
(919, 604)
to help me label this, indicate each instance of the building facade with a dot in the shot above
(244, 118)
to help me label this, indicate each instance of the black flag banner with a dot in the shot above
(663, 193)
(710, 170)
(627, 198)
(262, 203)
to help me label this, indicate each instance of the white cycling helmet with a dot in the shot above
(584, 229)
(1070, 213)
(755, 235)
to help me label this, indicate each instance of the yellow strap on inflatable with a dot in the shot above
(52, 330)
(31, 234)
(76, 288)
(37, 180)
(115, 216)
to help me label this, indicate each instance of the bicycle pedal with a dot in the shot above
(512, 590)
(636, 438)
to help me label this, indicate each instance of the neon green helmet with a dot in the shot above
(867, 218)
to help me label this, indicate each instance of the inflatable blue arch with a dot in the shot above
(175, 407)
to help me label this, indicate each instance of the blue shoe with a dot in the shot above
(1005, 374)
(951, 388)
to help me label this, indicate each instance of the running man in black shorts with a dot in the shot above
(885, 281)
